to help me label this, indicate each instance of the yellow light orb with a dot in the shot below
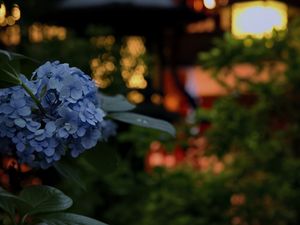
(258, 18)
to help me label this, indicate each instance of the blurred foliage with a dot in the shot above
(174, 197)
(255, 132)
(129, 195)
(260, 125)
(229, 50)
(258, 128)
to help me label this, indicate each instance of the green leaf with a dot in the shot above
(7, 205)
(8, 76)
(69, 219)
(68, 172)
(9, 202)
(6, 55)
(144, 121)
(10, 56)
(116, 103)
(43, 199)
(10, 68)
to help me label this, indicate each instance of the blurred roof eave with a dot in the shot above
(125, 16)
(80, 4)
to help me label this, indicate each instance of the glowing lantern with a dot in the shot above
(210, 4)
(2, 13)
(258, 18)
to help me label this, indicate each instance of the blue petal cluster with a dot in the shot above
(71, 122)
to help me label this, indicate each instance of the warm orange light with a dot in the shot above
(135, 97)
(156, 99)
(9, 19)
(198, 5)
(133, 67)
(169, 161)
(10, 162)
(15, 12)
(24, 168)
(102, 69)
(137, 81)
(155, 146)
(258, 18)
(205, 26)
(223, 2)
(11, 35)
(2, 13)
(171, 102)
(237, 199)
(39, 32)
(156, 159)
(135, 46)
(103, 41)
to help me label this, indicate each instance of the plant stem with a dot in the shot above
(36, 101)
(22, 222)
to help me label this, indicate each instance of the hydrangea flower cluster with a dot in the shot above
(71, 120)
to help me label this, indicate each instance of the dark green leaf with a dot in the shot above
(10, 68)
(9, 76)
(69, 219)
(70, 173)
(144, 121)
(5, 55)
(7, 205)
(9, 202)
(116, 103)
(44, 199)
(10, 56)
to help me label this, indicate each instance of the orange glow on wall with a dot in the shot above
(174, 100)
(200, 82)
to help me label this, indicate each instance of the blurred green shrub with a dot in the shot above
(258, 128)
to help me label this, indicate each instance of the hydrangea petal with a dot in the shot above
(24, 111)
(62, 133)
(75, 94)
(20, 122)
(50, 127)
(6, 109)
(20, 147)
(49, 151)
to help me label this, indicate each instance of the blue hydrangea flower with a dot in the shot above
(72, 120)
